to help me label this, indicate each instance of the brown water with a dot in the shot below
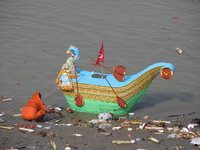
(34, 35)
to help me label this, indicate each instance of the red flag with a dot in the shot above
(100, 56)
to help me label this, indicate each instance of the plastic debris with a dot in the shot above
(146, 117)
(2, 114)
(39, 126)
(138, 139)
(1, 120)
(106, 133)
(179, 50)
(132, 141)
(116, 128)
(47, 127)
(195, 141)
(53, 145)
(131, 115)
(142, 126)
(67, 148)
(129, 129)
(3, 127)
(78, 134)
(105, 116)
(153, 128)
(95, 121)
(161, 121)
(172, 136)
(17, 115)
(154, 140)
(25, 129)
(7, 99)
(104, 125)
(121, 142)
(129, 135)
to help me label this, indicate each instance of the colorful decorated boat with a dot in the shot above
(117, 93)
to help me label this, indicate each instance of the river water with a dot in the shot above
(34, 35)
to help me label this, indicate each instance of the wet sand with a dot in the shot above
(56, 128)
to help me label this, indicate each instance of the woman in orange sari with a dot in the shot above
(35, 109)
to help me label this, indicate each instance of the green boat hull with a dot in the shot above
(96, 107)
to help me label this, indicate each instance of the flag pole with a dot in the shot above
(102, 70)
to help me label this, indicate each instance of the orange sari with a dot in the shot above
(34, 108)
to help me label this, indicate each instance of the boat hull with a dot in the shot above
(95, 106)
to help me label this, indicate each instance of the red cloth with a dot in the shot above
(33, 108)
(100, 56)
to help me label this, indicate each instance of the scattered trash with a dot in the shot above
(146, 117)
(3, 127)
(116, 128)
(137, 139)
(2, 114)
(69, 124)
(67, 148)
(45, 133)
(22, 147)
(174, 17)
(25, 129)
(17, 115)
(153, 128)
(47, 127)
(106, 133)
(175, 148)
(142, 126)
(105, 125)
(129, 135)
(161, 121)
(179, 50)
(1, 120)
(154, 139)
(39, 126)
(172, 136)
(129, 129)
(195, 141)
(5, 99)
(78, 134)
(105, 116)
(132, 141)
(121, 142)
(95, 121)
(169, 129)
(69, 110)
(101, 130)
(53, 145)
(131, 115)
